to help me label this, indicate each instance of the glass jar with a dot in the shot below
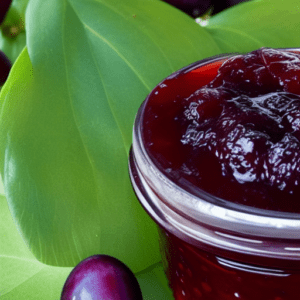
(213, 249)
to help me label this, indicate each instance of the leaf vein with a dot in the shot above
(79, 133)
(119, 54)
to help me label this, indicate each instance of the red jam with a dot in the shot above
(232, 129)
(194, 273)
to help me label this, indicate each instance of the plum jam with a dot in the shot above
(215, 162)
(238, 136)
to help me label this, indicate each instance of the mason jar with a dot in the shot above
(213, 249)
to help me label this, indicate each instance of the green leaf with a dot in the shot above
(12, 30)
(66, 124)
(21, 6)
(12, 47)
(23, 277)
(154, 284)
(254, 24)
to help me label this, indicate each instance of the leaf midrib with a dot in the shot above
(104, 87)
(76, 123)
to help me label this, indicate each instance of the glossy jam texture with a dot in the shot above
(197, 274)
(231, 129)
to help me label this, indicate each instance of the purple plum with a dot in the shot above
(101, 277)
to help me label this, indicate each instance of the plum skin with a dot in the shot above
(101, 277)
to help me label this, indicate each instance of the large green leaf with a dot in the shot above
(254, 24)
(23, 277)
(66, 123)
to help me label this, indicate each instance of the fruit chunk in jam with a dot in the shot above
(234, 132)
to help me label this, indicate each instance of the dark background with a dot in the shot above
(197, 8)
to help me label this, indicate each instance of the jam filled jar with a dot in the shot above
(215, 162)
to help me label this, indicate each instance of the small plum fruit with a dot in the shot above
(101, 277)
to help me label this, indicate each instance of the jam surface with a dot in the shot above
(232, 129)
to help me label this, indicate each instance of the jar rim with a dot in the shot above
(204, 207)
